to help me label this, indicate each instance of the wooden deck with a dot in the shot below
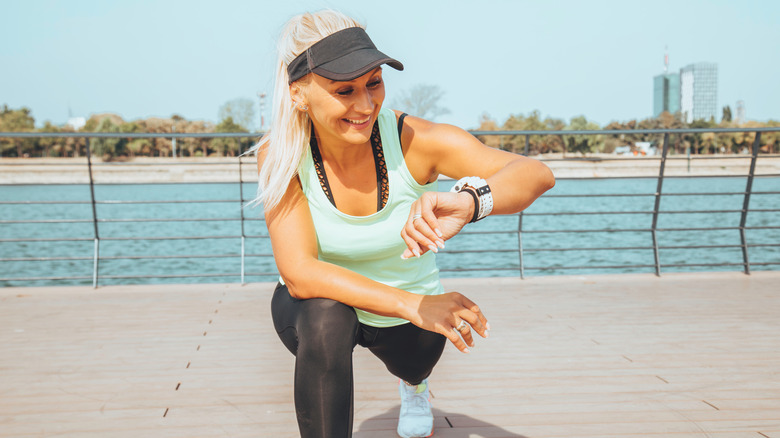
(684, 355)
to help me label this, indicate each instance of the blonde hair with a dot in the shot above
(287, 140)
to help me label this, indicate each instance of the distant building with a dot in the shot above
(699, 91)
(740, 119)
(666, 93)
(76, 123)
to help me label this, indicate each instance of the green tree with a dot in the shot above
(227, 146)
(19, 120)
(240, 110)
(580, 143)
(48, 146)
(422, 100)
(107, 148)
(726, 114)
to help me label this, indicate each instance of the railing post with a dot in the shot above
(96, 253)
(520, 244)
(658, 191)
(526, 145)
(241, 201)
(746, 202)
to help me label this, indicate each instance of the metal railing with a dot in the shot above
(519, 233)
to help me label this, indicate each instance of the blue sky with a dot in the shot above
(595, 58)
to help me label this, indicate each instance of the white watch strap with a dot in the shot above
(483, 192)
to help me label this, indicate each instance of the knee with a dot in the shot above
(327, 331)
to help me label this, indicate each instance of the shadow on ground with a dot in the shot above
(449, 424)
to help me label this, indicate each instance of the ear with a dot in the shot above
(296, 94)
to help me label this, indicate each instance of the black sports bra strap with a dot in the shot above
(401, 126)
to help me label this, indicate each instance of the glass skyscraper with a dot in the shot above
(699, 91)
(666, 93)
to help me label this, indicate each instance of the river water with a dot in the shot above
(133, 224)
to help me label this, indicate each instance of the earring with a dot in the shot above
(302, 107)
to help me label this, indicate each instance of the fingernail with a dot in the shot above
(433, 248)
(416, 252)
(487, 324)
(467, 350)
(438, 232)
(440, 243)
(487, 334)
(404, 257)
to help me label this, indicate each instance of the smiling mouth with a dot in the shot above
(357, 122)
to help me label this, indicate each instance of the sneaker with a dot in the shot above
(416, 419)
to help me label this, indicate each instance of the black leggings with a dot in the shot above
(322, 333)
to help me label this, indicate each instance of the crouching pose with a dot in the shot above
(349, 190)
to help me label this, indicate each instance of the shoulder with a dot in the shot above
(432, 138)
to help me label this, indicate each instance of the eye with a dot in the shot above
(344, 91)
(375, 83)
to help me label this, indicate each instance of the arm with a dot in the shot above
(433, 149)
(294, 244)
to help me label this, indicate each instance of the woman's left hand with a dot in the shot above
(434, 218)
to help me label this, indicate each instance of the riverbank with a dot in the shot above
(226, 169)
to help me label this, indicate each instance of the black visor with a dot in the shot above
(342, 56)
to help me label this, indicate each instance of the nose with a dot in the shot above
(364, 102)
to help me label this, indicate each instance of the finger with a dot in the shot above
(474, 322)
(427, 207)
(419, 230)
(424, 243)
(475, 317)
(465, 333)
(426, 225)
(412, 248)
(454, 337)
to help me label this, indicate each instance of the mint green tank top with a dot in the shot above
(372, 245)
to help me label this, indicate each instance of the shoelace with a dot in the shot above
(418, 404)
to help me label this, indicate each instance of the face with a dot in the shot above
(343, 111)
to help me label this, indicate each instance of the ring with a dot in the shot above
(461, 326)
(415, 217)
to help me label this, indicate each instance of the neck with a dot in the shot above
(343, 155)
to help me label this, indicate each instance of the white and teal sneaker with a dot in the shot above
(416, 419)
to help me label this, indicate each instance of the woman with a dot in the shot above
(352, 208)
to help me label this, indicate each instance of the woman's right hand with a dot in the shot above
(443, 313)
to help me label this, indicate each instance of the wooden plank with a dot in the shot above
(617, 355)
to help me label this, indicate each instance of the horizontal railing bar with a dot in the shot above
(139, 134)
(699, 246)
(202, 201)
(687, 265)
(608, 195)
(206, 201)
(578, 213)
(45, 278)
(221, 275)
(604, 248)
(49, 221)
(599, 195)
(116, 277)
(474, 251)
(143, 257)
(618, 230)
(493, 268)
(49, 239)
(42, 202)
(543, 268)
(143, 220)
(693, 176)
(474, 132)
(43, 259)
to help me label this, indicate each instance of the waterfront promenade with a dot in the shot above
(683, 355)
